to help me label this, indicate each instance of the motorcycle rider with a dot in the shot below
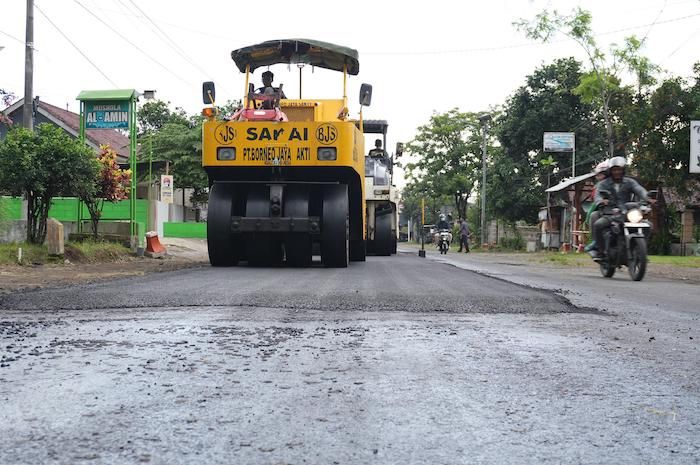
(442, 223)
(617, 189)
(601, 172)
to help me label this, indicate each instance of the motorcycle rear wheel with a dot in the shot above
(607, 270)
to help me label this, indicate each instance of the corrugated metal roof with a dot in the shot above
(569, 182)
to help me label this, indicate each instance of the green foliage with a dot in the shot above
(155, 114)
(411, 197)
(661, 124)
(181, 145)
(448, 151)
(520, 172)
(76, 252)
(513, 243)
(176, 137)
(111, 185)
(41, 165)
(602, 83)
(660, 242)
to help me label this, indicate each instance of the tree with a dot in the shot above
(41, 165)
(155, 114)
(547, 101)
(111, 185)
(181, 145)
(601, 84)
(412, 197)
(662, 154)
(449, 157)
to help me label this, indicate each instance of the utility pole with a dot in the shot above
(27, 116)
(484, 120)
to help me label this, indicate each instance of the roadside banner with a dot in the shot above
(559, 142)
(166, 188)
(107, 115)
(694, 147)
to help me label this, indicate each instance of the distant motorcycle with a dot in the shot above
(443, 239)
(625, 240)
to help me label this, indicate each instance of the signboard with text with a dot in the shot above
(107, 115)
(559, 142)
(694, 164)
(166, 188)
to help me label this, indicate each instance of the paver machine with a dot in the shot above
(286, 175)
(381, 195)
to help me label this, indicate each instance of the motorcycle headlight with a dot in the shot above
(635, 215)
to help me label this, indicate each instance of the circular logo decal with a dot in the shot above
(225, 134)
(326, 134)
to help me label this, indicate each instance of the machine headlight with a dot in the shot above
(327, 154)
(226, 153)
(635, 215)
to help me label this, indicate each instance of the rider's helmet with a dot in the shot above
(616, 162)
(601, 167)
(443, 217)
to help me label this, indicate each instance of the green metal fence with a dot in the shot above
(10, 208)
(66, 209)
(193, 230)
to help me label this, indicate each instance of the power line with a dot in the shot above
(74, 45)
(172, 43)
(654, 22)
(523, 44)
(682, 44)
(124, 38)
(12, 37)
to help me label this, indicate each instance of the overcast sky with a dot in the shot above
(419, 56)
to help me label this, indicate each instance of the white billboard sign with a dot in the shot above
(166, 188)
(559, 142)
(694, 147)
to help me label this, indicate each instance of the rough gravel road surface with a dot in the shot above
(396, 360)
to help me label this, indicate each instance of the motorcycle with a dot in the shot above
(443, 239)
(625, 240)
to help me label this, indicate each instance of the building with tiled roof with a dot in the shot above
(70, 122)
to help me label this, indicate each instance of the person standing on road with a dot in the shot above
(463, 236)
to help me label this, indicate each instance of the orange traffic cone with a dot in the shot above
(154, 248)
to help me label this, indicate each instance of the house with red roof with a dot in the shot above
(69, 122)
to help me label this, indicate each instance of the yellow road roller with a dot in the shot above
(380, 193)
(286, 175)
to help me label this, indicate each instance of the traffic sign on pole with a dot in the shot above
(114, 109)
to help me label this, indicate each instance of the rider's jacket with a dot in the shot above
(620, 193)
(443, 225)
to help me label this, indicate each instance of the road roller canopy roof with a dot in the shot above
(310, 52)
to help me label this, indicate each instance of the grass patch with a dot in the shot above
(580, 259)
(684, 262)
(30, 253)
(567, 259)
(76, 252)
